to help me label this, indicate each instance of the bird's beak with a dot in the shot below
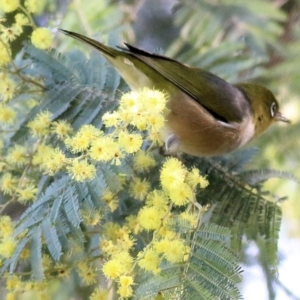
(281, 118)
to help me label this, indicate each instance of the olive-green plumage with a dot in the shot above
(208, 116)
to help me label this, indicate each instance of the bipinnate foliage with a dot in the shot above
(210, 272)
(234, 205)
(75, 93)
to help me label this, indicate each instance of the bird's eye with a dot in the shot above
(273, 109)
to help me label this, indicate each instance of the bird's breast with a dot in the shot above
(198, 133)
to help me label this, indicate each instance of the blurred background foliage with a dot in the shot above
(256, 40)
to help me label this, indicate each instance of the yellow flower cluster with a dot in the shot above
(116, 239)
(116, 244)
(40, 38)
(149, 260)
(173, 250)
(143, 109)
(125, 289)
(92, 145)
(179, 183)
(141, 114)
(118, 268)
(120, 264)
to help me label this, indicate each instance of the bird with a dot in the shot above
(207, 116)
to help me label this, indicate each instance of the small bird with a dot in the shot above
(207, 115)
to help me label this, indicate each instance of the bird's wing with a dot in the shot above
(223, 100)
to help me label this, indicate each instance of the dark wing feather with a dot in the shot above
(220, 98)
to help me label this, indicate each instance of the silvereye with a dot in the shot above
(207, 115)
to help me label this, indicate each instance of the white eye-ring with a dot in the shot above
(273, 109)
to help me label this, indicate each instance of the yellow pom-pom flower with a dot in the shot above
(192, 218)
(8, 184)
(111, 199)
(203, 182)
(130, 142)
(42, 152)
(149, 260)
(17, 155)
(158, 199)
(52, 161)
(7, 247)
(21, 20)
(40, 125)
(34, 6)
(181, 195)
(27, 193)
(7, 114)
(125, 289)
(83, 138)
(9, 5)
(111, 119)
(155, 122)
(113, 269)
(125, 259)
(13, 283)
(194, 178)
(133, 224)
(139, 188)
(62, 128)
(143, 161)
(90, 131)
(154, 101)
(41, 38)
(9, 34)
(87, 274)
(105, 149)
(173, 173)
(77, 143)
(81, 170)
(131, 101)
(150, 217)
(173, 250)
(7, 88)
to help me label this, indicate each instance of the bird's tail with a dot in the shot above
(111, 52)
